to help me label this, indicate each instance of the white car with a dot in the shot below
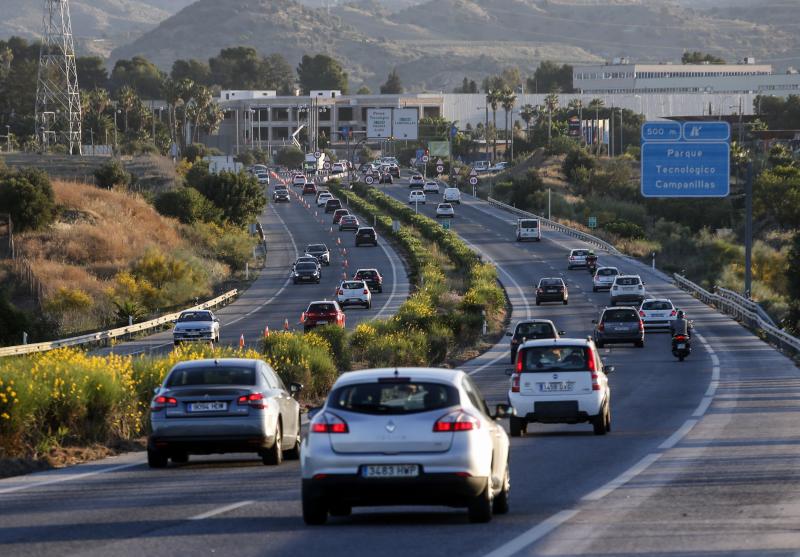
(196, 325)
(431, 186)
(416, 181)
(559, 381)
(323, 198)
(577, 258)
(416, 196)
(499, 167)
(628, 288)
(658, 313)
(338, 168)
(263, 178)
(354, 292)
(405, 436)
(529, 229)
(445, 210)
(299, 180)
(453, 195)
(603, 278)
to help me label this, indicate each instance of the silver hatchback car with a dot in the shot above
(223, 406)
(407, 436)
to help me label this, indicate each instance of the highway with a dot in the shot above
(272, 299)
(702, 459)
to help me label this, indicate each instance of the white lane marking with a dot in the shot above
(390, 300)
(622, 479)
(712, 388)
(487, 364)
(714, 359)
(221, 510)
(703, 406)
(673, 439)
(67, 478)
(533, 535)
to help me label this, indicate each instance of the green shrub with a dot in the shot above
(575, 159)
(187, 205)
(290, 157)
(339, 341)
(302, 358)
(12, 322)
(28, 196)
(625, 229)
(561, 145)
(112, 174)
(238, 195)
(195, 152)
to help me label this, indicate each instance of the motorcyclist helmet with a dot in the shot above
(680, 314)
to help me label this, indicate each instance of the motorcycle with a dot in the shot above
(591, 264)
(681, 346)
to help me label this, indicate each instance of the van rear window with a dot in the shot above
(529, 224)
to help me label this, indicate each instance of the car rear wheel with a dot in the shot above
(294, 452)
(156, 458)
(500, 502)
(518, 426)
(639, 344)
(274, 455)
(601, 421)
(566, 301)
(315, 510)
(480, 508)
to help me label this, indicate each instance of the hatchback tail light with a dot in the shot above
(641, 326)
(515, 380)
(590, 358)
(673, 313)
(595, 381)
(457, 420)
(328, 423)
(366, 291)
(639, 286)
(539, 290)
(253, 400)
(642, 314)
(341, 292)
(160, 402)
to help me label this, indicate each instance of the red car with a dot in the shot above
(323, 313)
(338, 214)
(309, 188)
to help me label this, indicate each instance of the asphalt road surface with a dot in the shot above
(703, 457)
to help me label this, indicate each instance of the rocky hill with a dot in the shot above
(434, 44)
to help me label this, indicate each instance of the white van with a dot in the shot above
(453, 195)
(481, 166)
(529, 229)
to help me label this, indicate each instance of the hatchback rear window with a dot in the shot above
(321, 308)
(607, 272)
(554, 358)
(628, 281)
(306, 266)
(657, 305)
(213, 375)
(580, 252)
(620, 316)
(316, 247)
(534, 331)
(352, 285)
(394, 398)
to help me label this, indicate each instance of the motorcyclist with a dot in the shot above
(680, 326)
(591, 259)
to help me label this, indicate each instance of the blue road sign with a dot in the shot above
(344, 130)
(685, 169)
(661, 131)
(420, 153)
(453, 131)
(706, 131)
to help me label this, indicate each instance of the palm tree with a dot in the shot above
(492, 99)
(596, 104)
(527, 112)
(127, 99)
(171, 96)
(551, 102)
(202, 101)
(507, 98)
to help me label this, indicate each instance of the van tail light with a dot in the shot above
(639, 286)
(539, 290)
(572, 258)
(303, 317)
(457, 420)
(328, 423)
(515, 380)
(160, 402)
(595, 381)
(642, 314)
(253, 400)
(366, 291)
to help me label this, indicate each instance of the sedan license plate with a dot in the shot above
(556, 386)
(390, 471)
(322, 322)
(215, 406)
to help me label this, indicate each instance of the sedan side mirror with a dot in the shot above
(594, 321)
(295, 388)
(503, 411)
(609, 369)
(562, 332)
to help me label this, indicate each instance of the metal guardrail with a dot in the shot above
(104, 336)
(588, 238)
(746, 311)
(742, 310)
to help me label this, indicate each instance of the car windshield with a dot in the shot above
(607, 272)
(395, 398)
(628, 281)
(316, 248)
(555, 358)
(529, 224)
(620, 316)
(551, 282)
(657, 305)
(365, 274)
(365, 232)
(352, 285)
(307, 267)
(445, 206)
(195, 316)
(580, 253)
(212, 375)
(534, 331)
(321, 308)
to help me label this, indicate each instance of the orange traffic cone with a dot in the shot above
(286, 324)
(344, 251)
(338, 241)
(241, 341)
(266, 331)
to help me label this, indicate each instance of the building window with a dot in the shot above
(430, 112)
(280, 114)
(346, 113)
(280, 133)
(325, 115)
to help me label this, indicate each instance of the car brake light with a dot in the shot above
(161, 402)
(590, 357)
(254, 400)
(673, 313)
(539, 290)
(341, 292)
(601, 327)
(366, 291)
(571, 258)
(641, 325)
(642, 313)
(595, 381)
(303, 317)
(515, 380)
(639, 286)
(457, 420)
(680, 338)
(328, 423)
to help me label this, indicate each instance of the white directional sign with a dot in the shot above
(405, 123)
(369, 179)
(473, 180)
(379, 123)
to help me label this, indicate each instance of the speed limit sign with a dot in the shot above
(424, 158)
(473, 181)
(440, 169)
(317, 154)
(326, 165)
(369, 179)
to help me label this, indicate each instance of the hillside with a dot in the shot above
(436, 43)
(98, 25)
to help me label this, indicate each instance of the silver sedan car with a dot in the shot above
(223, 406)
(407, 436)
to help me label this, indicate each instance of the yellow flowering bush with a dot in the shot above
(305, 359)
